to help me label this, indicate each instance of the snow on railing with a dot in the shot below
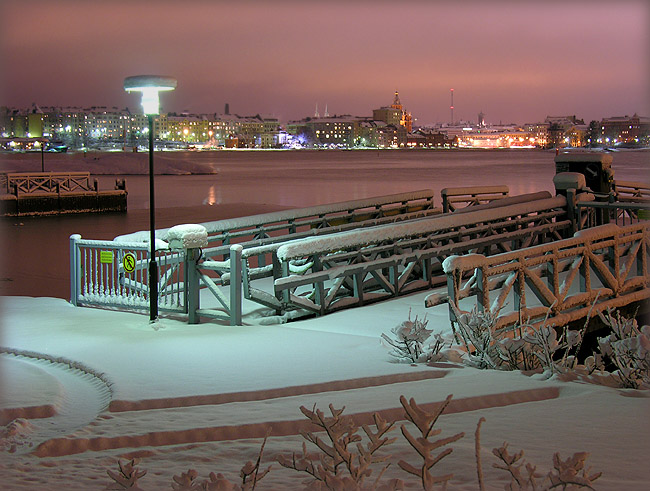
(632, 191)
(470, 196)
(365, 237)
(324, 274)
(107, 273)
(289, 221)
(606, 266)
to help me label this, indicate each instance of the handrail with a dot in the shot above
(49, 182)
(605, 266)
(470, 196)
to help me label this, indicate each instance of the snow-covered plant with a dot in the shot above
(565, 474)
(409, 341)
(425, 445)
(128, 475)
(524, 347)
(250, 476)
(340, 464)
(186, 481)
(475, 330)
(627, 348)
(545, 344)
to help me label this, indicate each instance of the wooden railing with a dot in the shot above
(632, 191)
(324, 274)
(49, 182)
(463, 197)
(606, 266)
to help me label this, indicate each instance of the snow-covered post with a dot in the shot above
(191, 238)
(236, 284)
(75, 269)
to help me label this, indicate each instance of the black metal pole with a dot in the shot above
(153, 266)
(42, 157)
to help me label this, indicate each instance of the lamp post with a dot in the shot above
(150, 86)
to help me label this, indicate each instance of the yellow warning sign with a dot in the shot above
(128, 262)
(106, 257)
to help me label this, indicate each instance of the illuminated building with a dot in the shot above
(394, 114)
(625, 130)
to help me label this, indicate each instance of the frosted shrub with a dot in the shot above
(250, 474)
(425, 444)
(524, 347)
(345, 462)
(565, 474)
(128, 475)
(408, 344)
(627, 348)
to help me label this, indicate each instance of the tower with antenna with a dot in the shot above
(452, 107)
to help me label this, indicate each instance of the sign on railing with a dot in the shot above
(115, 274)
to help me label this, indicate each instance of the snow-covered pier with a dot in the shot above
(317, 260)
(44, 193)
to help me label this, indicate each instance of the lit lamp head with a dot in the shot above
(149, 85)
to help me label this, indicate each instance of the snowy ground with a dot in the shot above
(202, 397)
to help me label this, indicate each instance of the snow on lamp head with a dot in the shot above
(149, 85)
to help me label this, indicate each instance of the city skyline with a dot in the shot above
(513, 61)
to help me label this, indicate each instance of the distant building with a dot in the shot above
(625, 130)
(394, 114)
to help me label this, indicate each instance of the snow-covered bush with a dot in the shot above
(425, 444)
(627, 348)
(408, 344)
(341, 465)
(565, 474)
(129, 474)
(524, 347)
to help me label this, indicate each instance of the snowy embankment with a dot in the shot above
(106, 163)
(202, 397)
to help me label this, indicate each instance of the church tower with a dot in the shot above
(406, 119)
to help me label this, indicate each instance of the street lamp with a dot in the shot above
(150, 86)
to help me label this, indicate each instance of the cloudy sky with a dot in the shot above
(517, 61)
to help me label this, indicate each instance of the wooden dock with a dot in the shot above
(53, 193)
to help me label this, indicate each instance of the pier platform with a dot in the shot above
(51, 193)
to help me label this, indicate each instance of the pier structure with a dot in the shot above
(47, 193)
(317, 260)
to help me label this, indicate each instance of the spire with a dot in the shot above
(326, 115)
(397, 104)
(316, 115)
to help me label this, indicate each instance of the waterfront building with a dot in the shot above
(625, 130)
(394, 114)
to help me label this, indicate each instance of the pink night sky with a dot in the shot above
(517, 61)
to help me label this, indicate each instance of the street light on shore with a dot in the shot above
(150, 86)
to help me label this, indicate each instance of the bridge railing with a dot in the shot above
(606, 266)
(49, 182)
(323, 274)
(453, 198)
(632, 191)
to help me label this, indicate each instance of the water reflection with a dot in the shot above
(212, 198)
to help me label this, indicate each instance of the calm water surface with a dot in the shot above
(35, 250)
